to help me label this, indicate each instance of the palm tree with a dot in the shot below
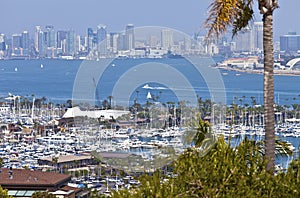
(238, 13)
(110, 101)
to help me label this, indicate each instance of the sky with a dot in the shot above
(187, 16)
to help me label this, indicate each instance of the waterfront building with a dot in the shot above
(70, 43)
(24, 183)
(129, 37)
(153, 41)
(121, 41)
(61, 39)
(50, 36)
(2, 42)
(25, 40)
(258, 36)
(16, 44)
(2, 46)
(63, 161)
(91, 39)
(113, 42)
(244, 41)
(290, 42)
(39, 41)
(80, 43)
(101, 40)
(167, 39)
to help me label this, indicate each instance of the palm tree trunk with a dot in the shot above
(269, 90)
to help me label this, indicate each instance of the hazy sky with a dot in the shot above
(187, 16)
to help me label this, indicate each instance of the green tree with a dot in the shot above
(43, 195)
(55, 162)
(3, 193)
(238, 13)
(223, 172)
(1, 162)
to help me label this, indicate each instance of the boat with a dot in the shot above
(42, 66)
(55, 140)
(16, 69)
(149, 95)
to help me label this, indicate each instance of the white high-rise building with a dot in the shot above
(153, 41)
(114, 40)
(258, 36)
(244, 41)
(129, 37)
(39, 43)
(167, 39)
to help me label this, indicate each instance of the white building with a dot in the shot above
(167, 39)
(106, 114)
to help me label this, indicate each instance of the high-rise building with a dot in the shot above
(61, 39)
(153, 41)
(290, 42)
(39, 41)
(25, 40)
(2, 42)
(129, 37)
(50, 36)
(37, 37)
(71, 43)
(167, 39)
(101, 40)
(244, 41)
(114, 38)
(122, 41)
(80, 43)
(91, 39)
(258, 36)
(2, 46)
(16, 41)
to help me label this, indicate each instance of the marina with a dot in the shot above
(48, 133)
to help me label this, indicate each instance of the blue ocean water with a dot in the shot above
(54, 79)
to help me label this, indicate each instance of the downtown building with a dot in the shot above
(290, 42)
(249, 40)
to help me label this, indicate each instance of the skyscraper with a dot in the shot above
(166, 39)
(290, 42)
(129, 37)
(61, 39)
(101, 40)
(258, 36)
(16, 41)
(122, 41)
(70, 43)
(25, 40)
(51, 36)
(114, 38)
(2, 42)
(91, 39)
(39, 41)
(153, 41)
(244, 41)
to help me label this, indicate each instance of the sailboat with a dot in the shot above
(16, 69)
(42, 66)
(149, 95)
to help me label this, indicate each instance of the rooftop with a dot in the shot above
(28, 179)
(69, 158)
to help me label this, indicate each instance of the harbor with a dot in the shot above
(106, 149)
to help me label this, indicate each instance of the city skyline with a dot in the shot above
(67, 15)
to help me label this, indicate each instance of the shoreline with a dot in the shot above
(261, 71)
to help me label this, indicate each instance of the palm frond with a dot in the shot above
(225, 13)
(245, 14)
